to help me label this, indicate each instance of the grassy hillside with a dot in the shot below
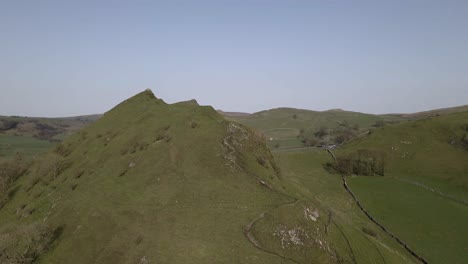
(156, 183)
(435, 112)
(349, 232)
(423, 196)
(294, 128)
(51, 129)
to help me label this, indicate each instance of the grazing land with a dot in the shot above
(423, 197)
(28, 146)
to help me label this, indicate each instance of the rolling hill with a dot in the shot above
(33, 135)
(291, 128)
(151, 182)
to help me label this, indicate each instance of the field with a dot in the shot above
(305, 178)
(423, 197)
(28, 146)
(433, 225)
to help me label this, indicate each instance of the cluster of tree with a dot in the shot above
(47, 132)
(7, 124)
(326, 136)
(363, 162)
(464, 136)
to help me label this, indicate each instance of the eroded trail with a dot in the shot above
(252, 239)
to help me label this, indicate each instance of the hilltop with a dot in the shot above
(150, 183)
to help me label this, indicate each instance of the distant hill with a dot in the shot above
(234, 114)
(33, 135)
(295, 128)
(44, 128)
(435, 112)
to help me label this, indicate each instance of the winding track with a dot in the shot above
(252, 239)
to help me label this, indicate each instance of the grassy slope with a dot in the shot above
(436, 112)
(158, 183)
(305, 178)
(280, 125)
(419, 158)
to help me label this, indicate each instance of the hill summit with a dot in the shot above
(149, 182)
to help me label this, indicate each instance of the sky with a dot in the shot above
(65, 58)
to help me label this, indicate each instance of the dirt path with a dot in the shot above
(252, 239)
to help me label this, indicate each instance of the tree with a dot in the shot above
(321, 132)
(8, 124)
(379, 123)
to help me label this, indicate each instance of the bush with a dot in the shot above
(8, 124)
(25, 244)
(465, 127)
(46, 131)
(193, 124)
(321, 132)
(379, 123)
(11, 170)
(369, 231)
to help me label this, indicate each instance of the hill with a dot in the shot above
(423, 197)
(156, 183)
(234, 114)
(435, 112)
(295, 128)
(33, 135)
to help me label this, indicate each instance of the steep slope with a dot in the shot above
(156, 183)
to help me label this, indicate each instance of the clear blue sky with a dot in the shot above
(61, 58)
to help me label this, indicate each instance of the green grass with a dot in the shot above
(179, 183)
(431, 224)
(423, 196)
(150, 181)
(305, 178)
(28, 146)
